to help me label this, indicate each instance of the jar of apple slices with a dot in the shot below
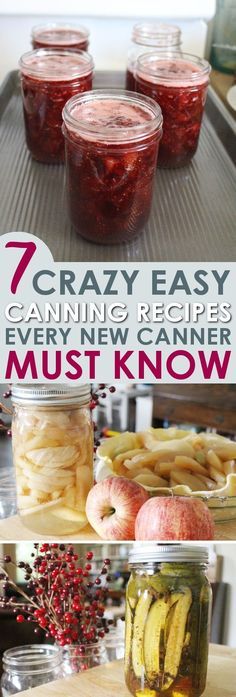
(168, 606)
(52, 439)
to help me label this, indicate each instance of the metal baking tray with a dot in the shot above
(194, 208)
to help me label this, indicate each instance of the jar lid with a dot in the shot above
(168, 553)
(112, 116)
(56, 64)
(36, 659)
(43, 395)
(173, 68)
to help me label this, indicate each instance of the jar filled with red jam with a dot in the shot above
(178, 82)
(111, 145)
(145, 38)
(48, 79)
(67, 36)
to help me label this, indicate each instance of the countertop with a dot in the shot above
(108, 680)
(13, 530)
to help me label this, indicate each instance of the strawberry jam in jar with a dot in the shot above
(178, 82)
(66, 36)
(112, 141)
(167, 622)
(146, 37)
(48, 79)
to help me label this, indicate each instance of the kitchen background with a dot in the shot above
(107, 22)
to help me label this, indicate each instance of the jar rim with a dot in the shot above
(144, 67)
(37, 64)
(174, 553)
(44, 394)
(60, 26)
(158, 33)
(38, 658)
(108, 133)
(70, 648)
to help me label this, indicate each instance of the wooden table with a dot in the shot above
(200, 405)
(108, 680)
(13, 530)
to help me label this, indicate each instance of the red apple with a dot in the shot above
(174, 518)
(112, 506)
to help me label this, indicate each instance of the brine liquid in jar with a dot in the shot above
(168, 606)
(53, 35)
(111, 142)
(146, 37)
(49, 77)
(179, 85)
(52, 440)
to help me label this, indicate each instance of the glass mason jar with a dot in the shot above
(167, 621)
(78, 658)
(52, 440)
(49, 77)
(223, 49)
(178, 82)
(29, 666)
(146, 37)
(111, 141)
(53, 35)
(115, 644)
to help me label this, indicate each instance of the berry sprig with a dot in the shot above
(99, 393)
(62, 598)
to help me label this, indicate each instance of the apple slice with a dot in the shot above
(69, 514)
(42, 507)
(150, 480)
(183, 477)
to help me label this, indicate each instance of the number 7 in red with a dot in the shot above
(30, 249)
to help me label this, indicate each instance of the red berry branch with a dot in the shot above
(62, 597)
(100, 393)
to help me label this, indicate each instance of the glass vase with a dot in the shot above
(78, 658)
